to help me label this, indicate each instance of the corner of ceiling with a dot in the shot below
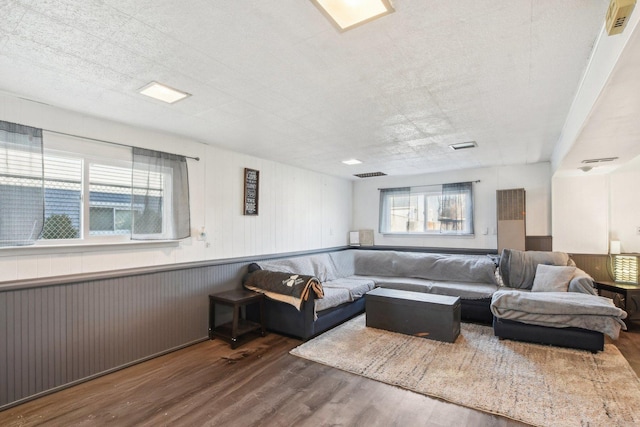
(607, 50)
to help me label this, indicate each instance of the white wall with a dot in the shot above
(624, 199)
(591, 209)
(535, 179)
(299, 210)
(580, 214)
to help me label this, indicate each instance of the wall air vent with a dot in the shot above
(369, 174)
(618, 15)
(602, 160)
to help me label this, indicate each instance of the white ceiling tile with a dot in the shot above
(276, 80)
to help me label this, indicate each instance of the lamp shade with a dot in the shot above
(625, 268)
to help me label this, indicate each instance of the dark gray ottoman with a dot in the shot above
(414, 313)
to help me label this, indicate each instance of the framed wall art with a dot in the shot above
(251, 191)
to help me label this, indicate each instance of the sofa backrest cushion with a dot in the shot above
(319, 266)
(343, 262)
(441, 267)
(518, 268)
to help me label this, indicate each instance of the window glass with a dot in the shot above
(122, 220)
(88, 190)
(62, 197)
(109, 191)
(434, 209)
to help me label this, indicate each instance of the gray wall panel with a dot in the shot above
(56, 334)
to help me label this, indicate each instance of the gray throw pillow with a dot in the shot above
(552, 278)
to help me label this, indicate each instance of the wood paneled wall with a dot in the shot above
(539, 243)
(58, 332)
(596, 265)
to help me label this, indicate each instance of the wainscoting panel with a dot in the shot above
(56, 335)
(538, 243)
(596, 265)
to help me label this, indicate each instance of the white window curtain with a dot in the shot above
(389, 199)
(160, 201)
(21, 184)
(456, 208)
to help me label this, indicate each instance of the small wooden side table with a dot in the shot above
(239, 330)
(627, 297)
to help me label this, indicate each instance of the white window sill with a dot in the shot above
(85, 247)
(428, 235)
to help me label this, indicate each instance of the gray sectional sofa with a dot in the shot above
(347, 275)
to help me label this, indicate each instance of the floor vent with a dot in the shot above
(369, 174)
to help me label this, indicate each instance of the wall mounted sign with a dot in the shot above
(251, 191)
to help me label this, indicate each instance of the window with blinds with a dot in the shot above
(430, 209)
(73, 189)
(96, 197)
(112, 204)
(21, 184)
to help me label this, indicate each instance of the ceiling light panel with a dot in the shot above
(163, 93)
(347, 14)
(351, 162)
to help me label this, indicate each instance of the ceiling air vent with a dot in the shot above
(602, 160)
(618, 15)
(463, 145)
(369, 174)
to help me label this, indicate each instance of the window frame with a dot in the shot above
(427, 191)
(90, 153)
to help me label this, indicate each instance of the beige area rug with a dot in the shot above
(535, 384)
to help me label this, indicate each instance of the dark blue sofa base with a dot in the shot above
(285, 319)
(476, 310)
(581, 339)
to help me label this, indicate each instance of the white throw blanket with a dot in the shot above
(560, 310)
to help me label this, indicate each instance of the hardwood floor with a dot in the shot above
(256, 384)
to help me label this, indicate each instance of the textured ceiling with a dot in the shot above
(275, 80)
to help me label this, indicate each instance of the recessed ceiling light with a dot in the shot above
(351, 162)
(347, 14)
(463, 145)
(163, 93)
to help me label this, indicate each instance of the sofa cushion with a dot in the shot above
(552, 278)
(401, 283)
(333, 297)
(459, 268)
(582, 282)
(319, 266)
(357, 287)
(464, 290)
(343, 262)
(518, 268)
(559, 310)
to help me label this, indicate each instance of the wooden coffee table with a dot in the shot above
(432, 316)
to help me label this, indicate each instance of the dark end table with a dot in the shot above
(239, 330)
(624, 295)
